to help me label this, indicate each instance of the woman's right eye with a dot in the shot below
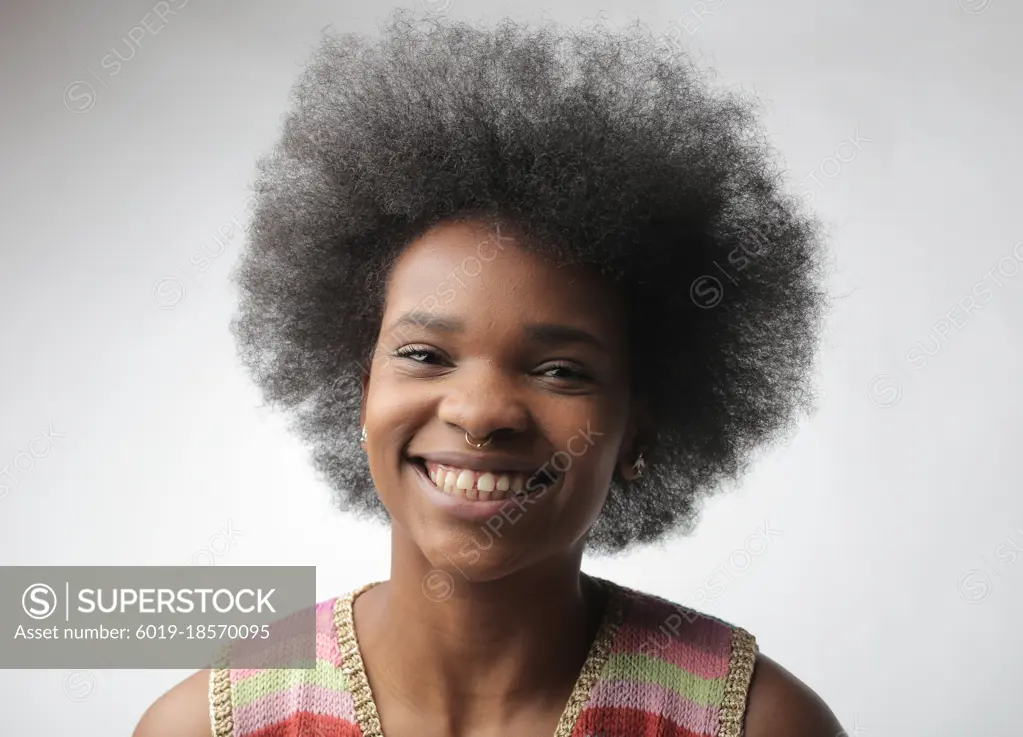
(414, 352)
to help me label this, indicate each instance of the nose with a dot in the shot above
(483, 401)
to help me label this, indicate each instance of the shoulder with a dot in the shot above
(662, 624)
(190, 707)
(780, 705)
(183, 711)
(759, 694)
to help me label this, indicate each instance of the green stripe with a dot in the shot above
(268, 681)
(642, 667)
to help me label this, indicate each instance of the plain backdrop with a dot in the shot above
(873, 554)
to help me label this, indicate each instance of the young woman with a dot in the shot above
(529, 292)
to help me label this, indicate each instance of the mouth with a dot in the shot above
(485, 486)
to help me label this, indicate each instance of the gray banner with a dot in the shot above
(157, 616)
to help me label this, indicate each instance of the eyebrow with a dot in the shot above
(430, 321)
(540, 332)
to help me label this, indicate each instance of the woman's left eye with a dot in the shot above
(568, 372)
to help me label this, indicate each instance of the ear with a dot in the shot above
(638, 436)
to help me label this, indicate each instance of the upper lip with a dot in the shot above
(479, 461)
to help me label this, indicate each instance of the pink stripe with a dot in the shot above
(655, 699)
(326, 647)
(684, 637)
(272, 708)
(326, 635)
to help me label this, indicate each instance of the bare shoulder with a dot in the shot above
(181, 712)
(780, 705)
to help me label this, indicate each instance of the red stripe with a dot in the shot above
(306, 724)
(622, 722)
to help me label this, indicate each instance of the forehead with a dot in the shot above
(483, 273)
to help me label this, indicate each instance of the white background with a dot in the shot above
(887, 583)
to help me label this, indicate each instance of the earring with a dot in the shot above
(362, 438)
(639, 465)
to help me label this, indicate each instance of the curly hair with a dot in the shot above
(607, 149)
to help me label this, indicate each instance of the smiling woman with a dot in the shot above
(478, 275)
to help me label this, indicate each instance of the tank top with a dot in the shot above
(654, 669)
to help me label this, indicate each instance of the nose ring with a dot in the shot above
(474, 444)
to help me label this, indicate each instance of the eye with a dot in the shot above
(568, 372)
(414, 352)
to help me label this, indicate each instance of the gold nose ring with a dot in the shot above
(474, 444)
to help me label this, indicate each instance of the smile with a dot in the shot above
(484, 485)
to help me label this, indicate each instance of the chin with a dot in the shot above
(472, 552)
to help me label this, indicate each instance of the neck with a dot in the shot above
(477, 650)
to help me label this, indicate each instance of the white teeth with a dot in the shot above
(474, 485)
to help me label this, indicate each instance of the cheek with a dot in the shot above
(588, 458)
(391, 419)
(391, 412)
(589, 442)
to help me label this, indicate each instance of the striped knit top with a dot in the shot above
(655, 669)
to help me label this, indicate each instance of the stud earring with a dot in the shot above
(362, 438)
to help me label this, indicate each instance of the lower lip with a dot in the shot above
(474, 511)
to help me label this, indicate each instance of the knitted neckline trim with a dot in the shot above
(366, 710)
(732, 709)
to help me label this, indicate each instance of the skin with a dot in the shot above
(484, 625)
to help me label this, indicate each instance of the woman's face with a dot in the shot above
(480, 336)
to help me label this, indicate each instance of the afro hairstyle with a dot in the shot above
(608, 149)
